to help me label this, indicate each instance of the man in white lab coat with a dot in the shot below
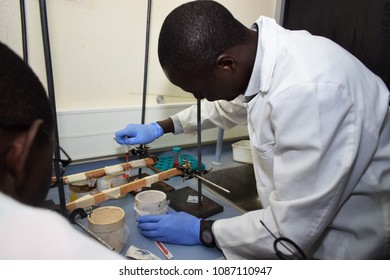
(318, 123)
(26, 156)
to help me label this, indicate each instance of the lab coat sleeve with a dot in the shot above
(221, 113)
(314, 137)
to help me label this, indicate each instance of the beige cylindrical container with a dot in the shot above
(151, 202)
(109, 224)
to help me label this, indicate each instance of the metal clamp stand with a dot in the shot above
(50, 85)
(190, 173)
(179, 199)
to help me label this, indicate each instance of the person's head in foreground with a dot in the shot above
(26, 125)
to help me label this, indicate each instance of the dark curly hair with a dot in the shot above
(23, 99)
(194, 34)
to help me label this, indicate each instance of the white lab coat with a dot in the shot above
(220, 113)
(319, 126)
(32, 233)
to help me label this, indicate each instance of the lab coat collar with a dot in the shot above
(265, 58)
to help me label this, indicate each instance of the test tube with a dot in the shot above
(176, 156)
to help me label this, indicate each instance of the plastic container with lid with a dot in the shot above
(242, 151)
(151, 202)
(176, 156)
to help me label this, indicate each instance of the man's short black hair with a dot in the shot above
(23, 99)
(194, 34)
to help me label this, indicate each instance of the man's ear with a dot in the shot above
(226, 63)
(20, 149)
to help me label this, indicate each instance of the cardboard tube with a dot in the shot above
(91, 200)
(101, 172)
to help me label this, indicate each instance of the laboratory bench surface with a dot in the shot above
(179, 252)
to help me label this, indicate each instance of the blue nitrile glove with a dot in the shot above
(134, 134)
(177, 228)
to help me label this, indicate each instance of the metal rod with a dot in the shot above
(24, 30)
(146, 62)
(146, 66)
(199, 131)
(211, 183)
(50, 85)
(218, 149)
(91, 233)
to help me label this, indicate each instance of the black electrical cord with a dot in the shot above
(298, 255)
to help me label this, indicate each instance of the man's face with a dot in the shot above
(214, 88)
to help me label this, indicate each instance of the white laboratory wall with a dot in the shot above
(98, 50)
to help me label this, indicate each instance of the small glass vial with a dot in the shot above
(176, 156)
